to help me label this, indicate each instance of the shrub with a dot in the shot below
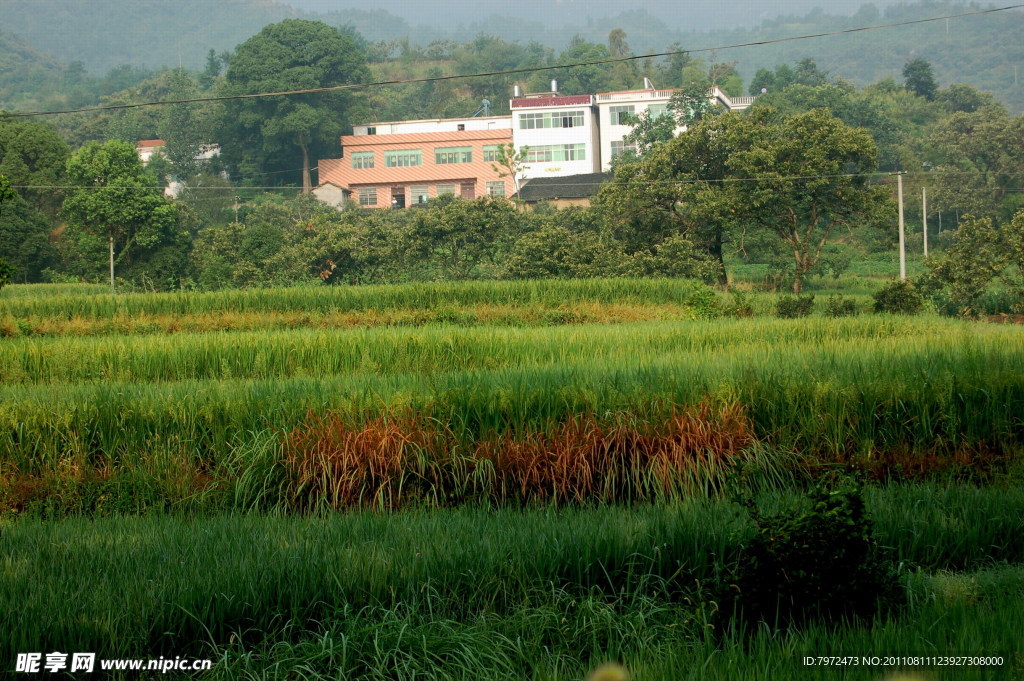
(792, 307)
(838, 306)
(898, 297)
(738, 305)
(816, 558)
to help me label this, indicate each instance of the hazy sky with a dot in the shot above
(679, 14)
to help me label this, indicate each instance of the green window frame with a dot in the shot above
(362, 159)
(491, 153)
(449, 155)
(555, 152)
(617, 111)
(403, 158)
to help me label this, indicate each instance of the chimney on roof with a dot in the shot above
(554, 86)
(517, 91)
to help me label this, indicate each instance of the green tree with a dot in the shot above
(804, 177)
(679, 189)
(181, 128)
(462, 238)
(917, 74)
(511, 163)
(294, 54)
(978, 160)
(113, 197)
(33, 155)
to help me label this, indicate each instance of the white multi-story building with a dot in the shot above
(560, 133)
(612, 106)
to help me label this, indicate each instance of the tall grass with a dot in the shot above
(268, 354)
(426, 296)
(604, 582)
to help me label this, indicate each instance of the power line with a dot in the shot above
(532, 69)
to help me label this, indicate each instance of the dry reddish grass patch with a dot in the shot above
(395, 460)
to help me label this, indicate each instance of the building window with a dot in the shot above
(655, 111)
(555, 152)
(496, 189)
(617, 111)
(443, 189)
(619, 147)
(453, 155)
(362, 159)
(491, 153)
(404, 158)
(367, 196)
(462, 126)
(551, 119)
(418, 194)
(371, 131)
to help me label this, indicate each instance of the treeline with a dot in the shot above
(957, 142)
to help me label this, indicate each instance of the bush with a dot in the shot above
(792, 307)
(738, 305)
(817, 558)
(898, 297)
(838, 306)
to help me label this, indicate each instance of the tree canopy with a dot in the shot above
(267, 134)
(112, 196)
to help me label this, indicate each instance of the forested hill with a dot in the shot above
(978, 50)
(103, 34)
(982, 51)
(22, 70)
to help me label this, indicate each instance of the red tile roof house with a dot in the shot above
(395, 165)
(146, 148)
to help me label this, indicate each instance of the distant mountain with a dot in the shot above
(103, 34)
(576, 14)
(22, 70)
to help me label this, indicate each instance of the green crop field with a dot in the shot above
(502, 480)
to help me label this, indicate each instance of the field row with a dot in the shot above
(846, 345)
(158, 585)
(339, 299)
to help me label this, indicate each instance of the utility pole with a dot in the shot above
(924, 217)
(111, 263)
(903, 240)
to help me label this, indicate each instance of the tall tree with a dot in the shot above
(294, 54)
(181, 128)
(33, 155)
(917, 73)
(112, 196)
(804, 177)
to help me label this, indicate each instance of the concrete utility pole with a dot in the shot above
(903, 240)
(111, 264)
(924, 217)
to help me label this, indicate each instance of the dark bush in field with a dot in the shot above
(817, 558)
(898, 297)
(791, 308)
(838, 306)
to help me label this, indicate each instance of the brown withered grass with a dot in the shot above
(585, 459)
(397, 460)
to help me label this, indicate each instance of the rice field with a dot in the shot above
(490, 480)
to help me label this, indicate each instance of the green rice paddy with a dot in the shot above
(167, 462)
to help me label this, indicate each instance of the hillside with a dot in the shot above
(104, 34)
(23, 69)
